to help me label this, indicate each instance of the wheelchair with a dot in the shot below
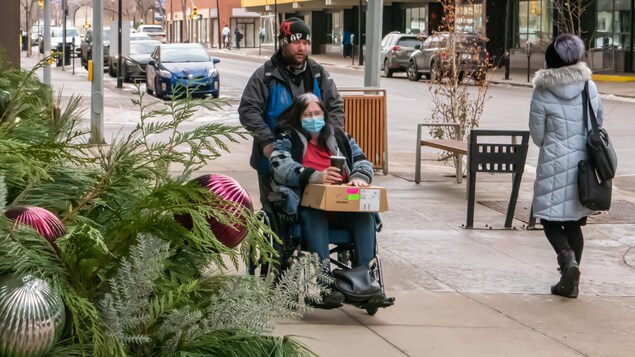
(341, 253)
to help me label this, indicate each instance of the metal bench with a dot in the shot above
(457, 147)
(496, 157)
(492, 156)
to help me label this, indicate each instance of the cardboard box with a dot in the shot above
(342, 198)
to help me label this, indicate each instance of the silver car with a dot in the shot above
(396, 48)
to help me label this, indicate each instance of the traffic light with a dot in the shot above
(40, 3)
(194, 12)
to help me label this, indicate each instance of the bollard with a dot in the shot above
(90, 70)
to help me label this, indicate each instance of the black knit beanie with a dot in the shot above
(293, 29)
(565, 50)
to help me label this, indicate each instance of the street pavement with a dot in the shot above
(477, 292)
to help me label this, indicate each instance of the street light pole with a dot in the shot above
(46, 71)
(97, 87)
(64, 34)
(119, 59)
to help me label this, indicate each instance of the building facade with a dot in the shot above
(520, 27)
(205, 28)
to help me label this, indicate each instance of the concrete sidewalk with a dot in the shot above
(481, 292)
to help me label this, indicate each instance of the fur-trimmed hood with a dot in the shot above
(565, 82)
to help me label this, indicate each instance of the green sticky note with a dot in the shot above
(353, 197)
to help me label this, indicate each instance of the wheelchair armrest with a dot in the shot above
(278, 201)
(275, 197)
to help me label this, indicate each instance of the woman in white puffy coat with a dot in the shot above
(557, 128)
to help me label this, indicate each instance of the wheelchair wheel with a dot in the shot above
(285, 250)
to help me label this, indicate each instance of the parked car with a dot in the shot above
(139, 36)
(134, 65)
(433, 60)
(179, 66)
(87, 47)
(57, 39)
(396, 48)
(156, 32)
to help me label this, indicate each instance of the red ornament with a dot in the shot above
(43, 221)
(230, 190)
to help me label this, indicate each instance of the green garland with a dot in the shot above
(134, 281)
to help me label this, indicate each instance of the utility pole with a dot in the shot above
(220, 36)
(46, 75)
(360, 46)
(97, 88)
(374, 15)
(63, 34)
(119, 59)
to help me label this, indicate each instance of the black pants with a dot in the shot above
(565, 235)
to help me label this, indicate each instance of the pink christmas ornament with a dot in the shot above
(230, 190)
(43, 221)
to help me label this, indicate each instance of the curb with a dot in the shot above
(612, 78)
(528, 85)
(510, 83)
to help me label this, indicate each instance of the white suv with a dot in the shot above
(156, 32)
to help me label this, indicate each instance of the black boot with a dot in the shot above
(578, 255)
(333, 300)
(569, 275)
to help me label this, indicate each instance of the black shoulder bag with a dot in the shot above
(594, 191)
(599, 147)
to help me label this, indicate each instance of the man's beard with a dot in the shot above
(292, 60)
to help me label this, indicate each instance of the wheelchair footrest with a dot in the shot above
(380, 301)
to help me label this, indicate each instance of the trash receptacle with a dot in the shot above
(25, 43)
(67, 59)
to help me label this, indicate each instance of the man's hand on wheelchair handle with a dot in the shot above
(267, 150)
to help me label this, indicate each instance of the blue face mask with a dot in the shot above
(313, 125)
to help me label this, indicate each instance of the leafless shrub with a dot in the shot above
(453, 100)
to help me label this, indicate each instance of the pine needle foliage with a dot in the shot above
(134, 281)
(152, 317)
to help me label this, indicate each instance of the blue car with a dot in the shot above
(179, 67)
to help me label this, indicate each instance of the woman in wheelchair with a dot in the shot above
(301, 155)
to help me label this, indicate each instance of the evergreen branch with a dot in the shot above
(10, 106)
(237, 343)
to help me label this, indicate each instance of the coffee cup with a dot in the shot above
(338, 161)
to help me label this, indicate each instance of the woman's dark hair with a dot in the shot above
(291, 118)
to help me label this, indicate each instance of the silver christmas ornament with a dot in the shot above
(31, 316)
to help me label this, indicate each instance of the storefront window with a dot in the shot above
(334, 28)
(469, 18)
(535, 23)
(416, 20)
(613, 24)
(268, 23)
